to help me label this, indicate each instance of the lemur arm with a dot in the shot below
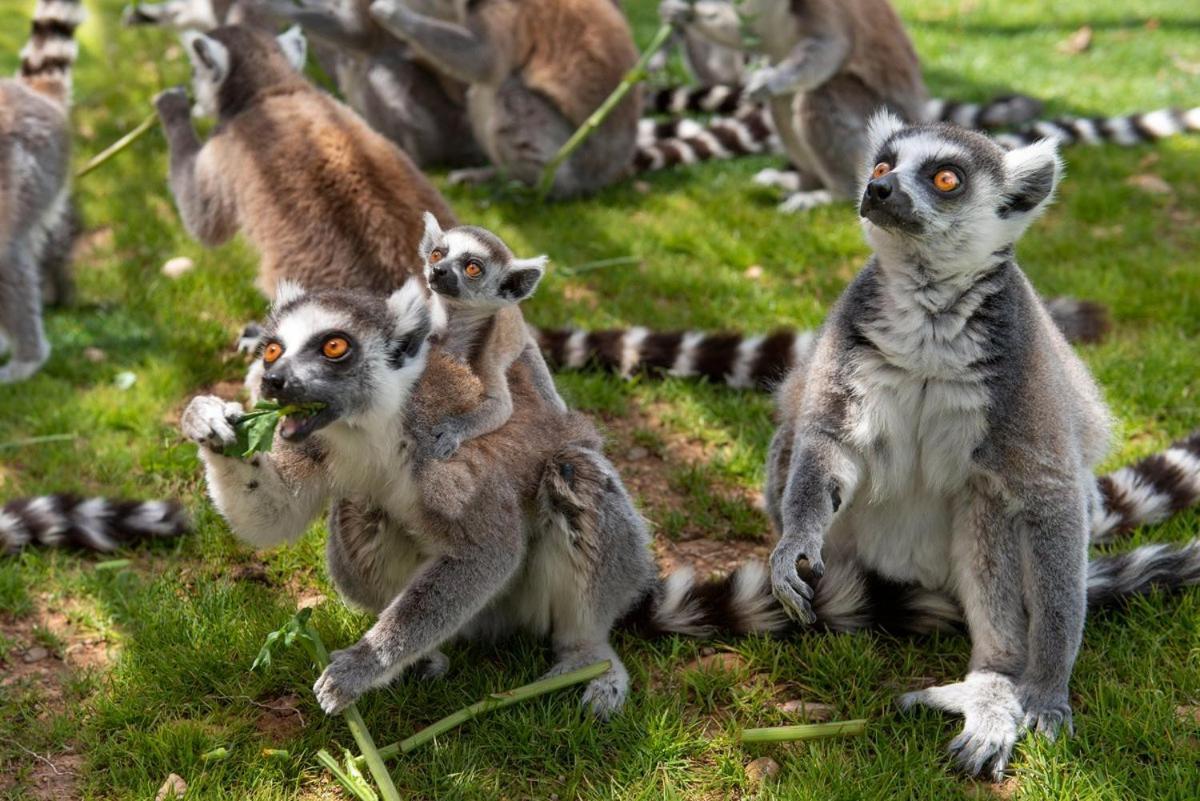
(491, 413)
(267, 499)
(321, 23)
(443, 597)
(715, 20)
(456, 50)
(539, 374)
(204, 200)
(811, 62)
(821, 481)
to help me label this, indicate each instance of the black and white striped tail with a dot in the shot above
(49, 55)
(670, 143)
(96, 524)
(734, 359)
(846, 599)
(1149, 491)
(1126, 131)
(678, 100)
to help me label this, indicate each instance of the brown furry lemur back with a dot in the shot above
(327, 201)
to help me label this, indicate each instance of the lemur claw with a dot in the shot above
(446, 440)
(209, 420)
(350, 673)
(793, 592)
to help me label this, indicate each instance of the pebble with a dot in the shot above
(762, 770)
(808, 710)
(94, 355)
(754, 272)
(173, 787)
(177, 266)
(36, 654)
(637, 452)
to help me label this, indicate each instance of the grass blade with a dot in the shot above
(812, 731)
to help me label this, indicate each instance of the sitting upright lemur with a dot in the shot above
(536, 69)
(481, 284)
(943, 433)
(326, 200)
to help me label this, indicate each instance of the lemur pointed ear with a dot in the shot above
(1032, 174)
(288, 292)
(523, 278)
(207, 55)
(412, 322)
(433, 233)
(294, 46)
(882, 125)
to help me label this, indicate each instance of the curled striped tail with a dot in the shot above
(96, 524)
(1126, 131)
(738, 360)
(1003, 111)
(716, 99)
(1136, 572)
(49, 55)
(675, 142)
(1149, 490)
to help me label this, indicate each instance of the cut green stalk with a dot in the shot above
(112, 564)
(493, 702)
(276, 753)
(215, 755)
(357, 788)
(813, 731)
(119, 145)
(42, 440)
(631, 79)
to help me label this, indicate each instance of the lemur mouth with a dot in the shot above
(890, 221)
(299, 427)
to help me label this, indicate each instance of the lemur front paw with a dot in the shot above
(445, 440)
(351, 672)
(793, 592)
(173, 104)
(758, 85)
(676, 12)
(1046, 714)
(395, 13)
(209, 420)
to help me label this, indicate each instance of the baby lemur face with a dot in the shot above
(357, 354)
(470, 266)
(953, 189)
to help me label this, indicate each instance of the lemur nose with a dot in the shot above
(438, 270)
(880, 188)
(274, 382)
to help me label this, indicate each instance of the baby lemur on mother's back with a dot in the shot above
(480, 283)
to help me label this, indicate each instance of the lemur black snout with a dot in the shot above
(276, 382)
(881, 189)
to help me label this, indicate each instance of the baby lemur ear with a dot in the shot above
(287, 292)
(208, 56)
(882, 125)
(432, 235)
(522, 278)
(1032, 173)
(411, 322)
(294, 46)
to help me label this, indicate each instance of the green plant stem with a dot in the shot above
(358, 728)
(42, 440)
(119, 145)
(780, 734)
(493, 702)
(353, 787)
(631, 79)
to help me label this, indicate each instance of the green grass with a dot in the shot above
(186, 620)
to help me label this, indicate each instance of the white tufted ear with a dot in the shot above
(286, 292)
(209, 57)
(523, 277)
(431, 236)
(294, 46)
(1032, 174)
(412, 321)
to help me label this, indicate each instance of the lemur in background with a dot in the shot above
(38, 219)
(543, 536)
(324, 199)
(536, 69)
(481, 283)
(943, 433)
(418, 107)
(95, 524)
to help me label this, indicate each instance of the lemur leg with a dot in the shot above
(987, 566)
(453, 49)
(491, 413)
(21, 313)
(58, 288)
(200, 192)
(605, 694)
(444, 596)
(1055, 541)
(267, 499)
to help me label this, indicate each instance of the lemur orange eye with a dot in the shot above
(335, 347)
(272, 353)
(436, 255)
(881, 169)
(473, 269)
(946, 180)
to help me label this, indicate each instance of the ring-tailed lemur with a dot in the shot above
(527, 97)
(417, 107)
(943, 432)
(38, 220)
(324, 199)
(481, 284)
(535, 532)
(97, 524)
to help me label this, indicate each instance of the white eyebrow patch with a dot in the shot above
(308, 319)
(463, 242)
(913, 151)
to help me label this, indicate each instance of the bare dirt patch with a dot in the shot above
(279, 718)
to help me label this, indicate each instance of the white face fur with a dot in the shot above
(211, 64)
(953, 197)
